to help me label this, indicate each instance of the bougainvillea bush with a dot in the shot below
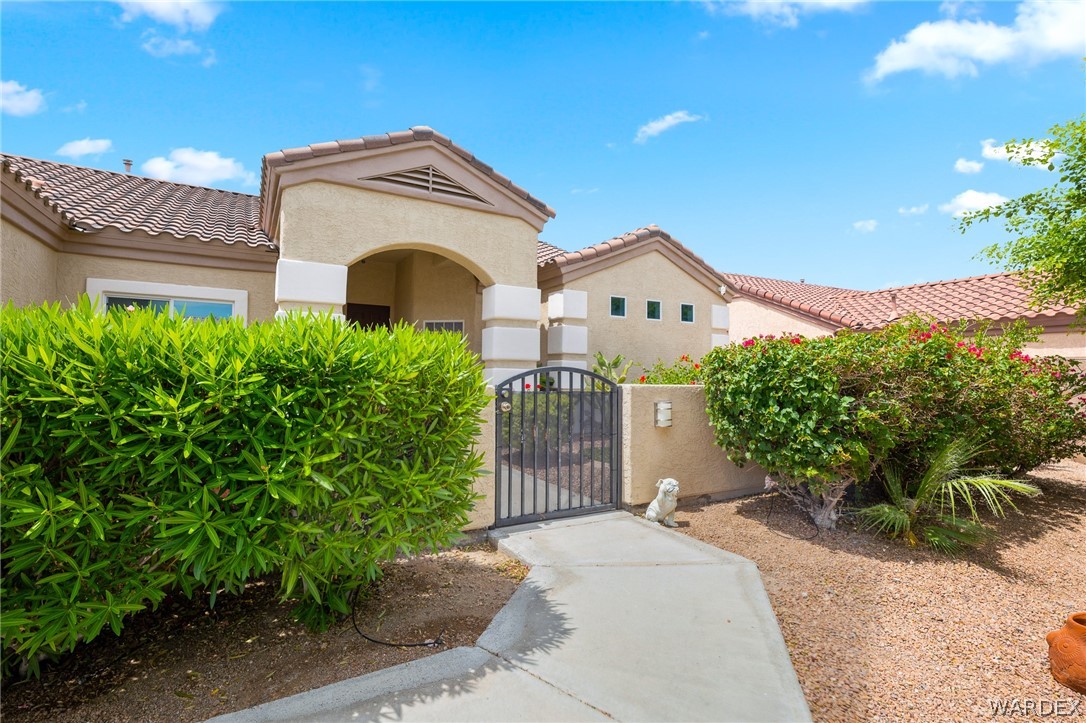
(145, 454)
(822, 414)
(683, 371)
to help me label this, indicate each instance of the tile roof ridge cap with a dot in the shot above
(804, 307)
(122, 174)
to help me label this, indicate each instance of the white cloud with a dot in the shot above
(184, 15)
(782, 13)
(85, 147)
(866, 226)
(75, 107)
(161, 47)
(17, 99)
(971, 200)
(658, 126)
(913, 210)
(963, 165)
(199, 168)
(585, 191)
(953, 47)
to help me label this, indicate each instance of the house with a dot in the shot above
(410, 226)
(771, 305)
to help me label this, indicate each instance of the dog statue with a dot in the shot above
(662, 508)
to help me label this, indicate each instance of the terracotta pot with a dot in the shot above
(1067, 653)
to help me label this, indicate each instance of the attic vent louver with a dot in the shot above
(429, 179)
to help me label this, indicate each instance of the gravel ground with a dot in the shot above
(184, 662)
(881, 632)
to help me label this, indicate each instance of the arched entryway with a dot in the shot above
(423, 288)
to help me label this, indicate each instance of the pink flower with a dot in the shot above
(796, 340)
(748, 342)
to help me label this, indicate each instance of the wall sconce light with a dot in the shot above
(663, 414)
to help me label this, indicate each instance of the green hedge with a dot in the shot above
(145, 453)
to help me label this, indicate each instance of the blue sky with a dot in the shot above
(830, 140)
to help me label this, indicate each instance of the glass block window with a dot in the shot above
(653, 310)
(457, 326)
(686, 313)
(618, 306)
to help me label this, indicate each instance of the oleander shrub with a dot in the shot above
(145, 454)
(826, 413)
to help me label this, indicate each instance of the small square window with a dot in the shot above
(652, 310)
(618, 306)
(686, 313)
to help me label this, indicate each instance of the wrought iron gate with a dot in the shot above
(559, 434)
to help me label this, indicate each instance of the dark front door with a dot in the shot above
(369, 315)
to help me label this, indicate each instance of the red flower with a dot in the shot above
(693, 382)
(796, 340)
(684, 357)
(697, 366)
(527, 386)
(642, 379)
(748, 342)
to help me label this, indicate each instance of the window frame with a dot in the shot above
(99, 289)
(462, 330)
(660, 310)
(625, 307)
(693, 314)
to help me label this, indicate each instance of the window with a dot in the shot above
(618, 306)
(686, 313)
(652, 310)
(457, 326)
(194, 302)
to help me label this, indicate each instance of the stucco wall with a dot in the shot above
(685, 451)
(373, 282)
(482, 514)
(28, 268)
(650, 276)
(1069, 344)
(430, 287)
(74, 269)
(334, 224)
(750, 318)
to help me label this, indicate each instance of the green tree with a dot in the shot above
(1050, 224)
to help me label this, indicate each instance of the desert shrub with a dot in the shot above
(145, 453)
(822, 414)
(941, 507)
(683, 371)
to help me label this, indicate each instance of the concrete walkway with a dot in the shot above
(618, 619)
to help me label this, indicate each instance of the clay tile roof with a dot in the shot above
(417, 134)
(626, 240)
(95, 199)
(545, 252)
(996, 297)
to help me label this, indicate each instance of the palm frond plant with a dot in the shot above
(942, 507)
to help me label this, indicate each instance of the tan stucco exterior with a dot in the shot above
(33, 273)
(650, 276)
(335, 224)
(686, 451)
(482, 514)
(749, 318)
(1071, 344)
(429, 287)
(73, 270)
(28, 268)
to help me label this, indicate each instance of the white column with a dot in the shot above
(719, 322)
(567, 329)
(510, 331)
(310, 286)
